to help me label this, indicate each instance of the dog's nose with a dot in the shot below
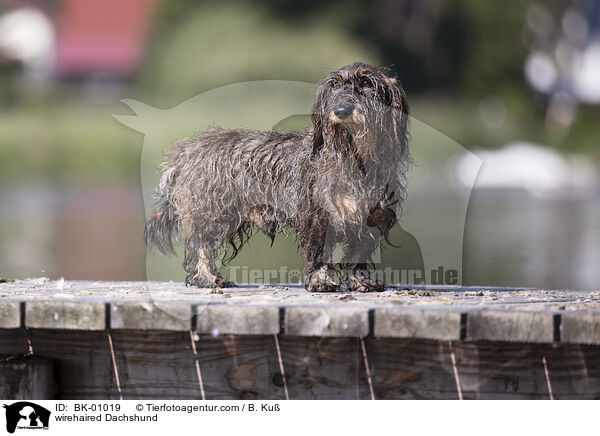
(343, 111)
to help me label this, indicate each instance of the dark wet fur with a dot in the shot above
(340, 181)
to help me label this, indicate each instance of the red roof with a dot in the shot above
(102, 35)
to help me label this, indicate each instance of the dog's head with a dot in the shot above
(359, 105)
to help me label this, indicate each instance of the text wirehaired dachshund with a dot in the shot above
(340, 181)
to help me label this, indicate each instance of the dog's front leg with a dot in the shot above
(317, 241)
(358, 253)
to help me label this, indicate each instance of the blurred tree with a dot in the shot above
(453, 45)
(216, 44)
(493, 44)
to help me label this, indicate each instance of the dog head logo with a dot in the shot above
(26, 415)
(335, 103)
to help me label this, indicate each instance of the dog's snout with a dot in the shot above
(343, 111)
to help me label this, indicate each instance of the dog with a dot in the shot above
(342, 180)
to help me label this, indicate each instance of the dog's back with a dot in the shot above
(222, 175)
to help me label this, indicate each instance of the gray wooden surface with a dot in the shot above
(144, 340)
(434, 312)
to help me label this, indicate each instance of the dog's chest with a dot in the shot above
(344, 206)
(346, 203)
(347, 193)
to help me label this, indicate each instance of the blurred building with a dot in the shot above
(92, 39)
(77, 40)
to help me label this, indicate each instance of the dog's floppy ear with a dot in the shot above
(396, 99)
(317, 120)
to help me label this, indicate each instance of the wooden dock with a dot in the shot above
(142, 340)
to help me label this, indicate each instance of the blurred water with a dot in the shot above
(77, 233)
(511, 238)
(515, 239)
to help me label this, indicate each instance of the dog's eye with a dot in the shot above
(366, 83)
(335, 84)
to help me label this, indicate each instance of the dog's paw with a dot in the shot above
(192, 280)
(366, 285)
(205, 282)
(220, 282)
(323, 287)
(324, 279)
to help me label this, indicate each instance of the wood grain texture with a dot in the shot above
(240, 367)
(10, 315)
(65, 315)
(417, 369)
(151, 315)
(161, 365)
(13, 341)
(324, 368)
(502, 370)
(417, 323)
(237, 320)
(82, 362)
(155, 364)
(580, 328)
(514, 326)
(327, 321)
(26, 378)
(424, 312)
(411, 369)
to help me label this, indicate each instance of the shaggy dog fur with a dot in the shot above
(340, 181)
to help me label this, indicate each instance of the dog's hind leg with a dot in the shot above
(199, 262)
(317, 241)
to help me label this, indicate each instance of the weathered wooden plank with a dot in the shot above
(518, 326)
(327, 321)
(26, 377)
(411, 369)
(574, 372)
(418, 369)
(65, 315)
(324, 368)
(400, 322)
(10, 314)
(485, 370)
(162, 365)
(521, 371)
(508, 354)
(82, 362)
(153, 364)
(237, 319)
(497, 314)
(240, 367)
(502, 370)
(580, 328)
(151, 316)
(13, 341)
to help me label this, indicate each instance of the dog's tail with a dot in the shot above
(163, 226)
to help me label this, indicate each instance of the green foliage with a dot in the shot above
(66, 142)
(465, 50)
(216, 44)
(494, 45)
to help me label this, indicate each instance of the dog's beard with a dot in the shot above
(346, 141)
(355, 124)
(344, 134)
(360, 136)
(339, 138)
